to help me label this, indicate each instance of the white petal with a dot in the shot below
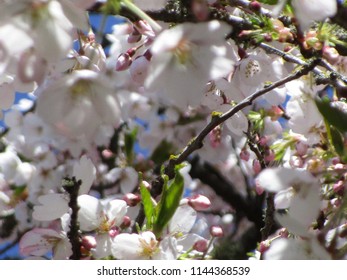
(53, 207)
(85, 171)
(90, 213)
(116, 210)
(127, 247)
(183, 220)
(277, 179)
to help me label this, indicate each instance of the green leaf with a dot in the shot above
(337, 141)
(111, 7)
(333, 115)
(129, 142)
(148, 206)
(269, 2)
(169, 202)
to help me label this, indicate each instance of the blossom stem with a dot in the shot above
(218, 119)
(141, 14)
(72, 187)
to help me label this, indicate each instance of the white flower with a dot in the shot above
(185, 58)
(78, 103)
(303, 203)
(40, 241)
(143, 246)
(308, 11)
(93, 215)
(296, 249)
(127, 178)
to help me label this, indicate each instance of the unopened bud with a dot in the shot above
(123, 62)
(216, 231)
(283, 232)
(256, 166)
(113, 233)
(199, 202)
(126, 222)
(244, 155)
(255, 6)
(88, 242)
(339, 187)
(264, 246)
(201, 245)
(131, 199)
(200, 10)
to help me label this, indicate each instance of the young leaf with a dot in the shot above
(170, 199)
(129, 141)
(148, 205)
(334, 116)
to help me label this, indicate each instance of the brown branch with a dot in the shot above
(197, 142)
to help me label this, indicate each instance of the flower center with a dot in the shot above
(148, 248)
(80, 88)
(252, 68)
(183, 51)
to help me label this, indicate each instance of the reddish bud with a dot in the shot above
(88, 242)
(126, 222)
(199, 202)
(339, 187)
(216, 231)
(200, 10)
(201, 245)
(244, 155)
(123, 62)
(255, 6)
(256, 166)
(264, 246)
(131, 199)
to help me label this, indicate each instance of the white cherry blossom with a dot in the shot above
(185, 58)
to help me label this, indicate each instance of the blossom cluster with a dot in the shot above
(187, 127)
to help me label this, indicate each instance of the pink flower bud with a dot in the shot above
(256, 166)
(301, 148)
(258, 189)
(255, 6)
(106, 153)
(216, 231)
(244, 155)
(201, 245)
(339, 187)
(269, 156)
(123, 62)
(264, 246)
(283, 232)
(126, 222)
(131, 199)
(200, 10)
(144, 28)
(88, 242)
(199, 202)
(113, 232)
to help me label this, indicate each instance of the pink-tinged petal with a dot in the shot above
(84, 170)
(116, 210)
(38, 241)
(53, 206)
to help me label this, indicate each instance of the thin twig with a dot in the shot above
(216, 120)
